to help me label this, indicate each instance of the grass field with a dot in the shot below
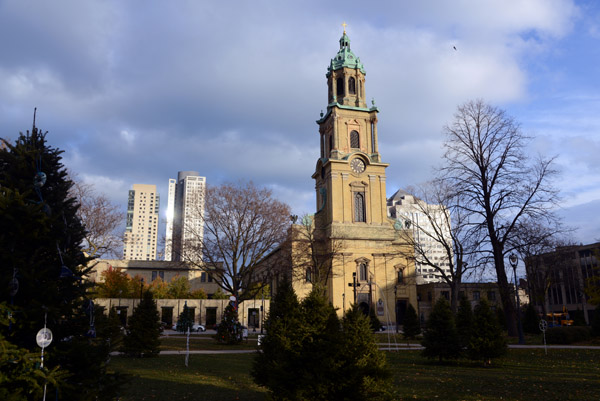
(523, 374)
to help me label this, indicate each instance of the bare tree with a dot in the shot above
(485, 160)
(100, 217)
(242, 224)
(442, 237)
(313, 254)
(542, 249)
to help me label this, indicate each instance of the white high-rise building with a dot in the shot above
(185, 208)
(141, 230)
(404, 207)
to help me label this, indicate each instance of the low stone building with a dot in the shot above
(208, 312)
(154, 269)
(428, 294)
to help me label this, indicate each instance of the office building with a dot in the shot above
(185, 209)
(141, 231)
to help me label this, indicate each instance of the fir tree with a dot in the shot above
(411, 325)
(596, 322)
(230, 329)
(487, 340)
(320, 348)
(185, 320)
(362, 373)
(274, 365)
(531, 320)
(501, 318)
(441, 338)
(464, 321)
(40, 247)
(143, 333)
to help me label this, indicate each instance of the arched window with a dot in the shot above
(359, 207)
(400, 276)
(330, 143)
(362, 272)
(354, 140)
(351, 86)
(308, 275)
(340, 86)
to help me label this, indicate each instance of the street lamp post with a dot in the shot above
(514, 260)
(396, 305)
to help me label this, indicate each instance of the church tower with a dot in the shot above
(368, 268)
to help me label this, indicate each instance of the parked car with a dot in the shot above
(198, 327)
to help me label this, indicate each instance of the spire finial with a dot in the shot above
(344, 25)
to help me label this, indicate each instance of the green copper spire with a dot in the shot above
(345, 57)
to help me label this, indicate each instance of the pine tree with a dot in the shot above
(274, 366)
(411, 325)
(185, 320)
(230, 329)
(596, 322)
(362, 373)
(40, 248)
(143, 334)
(501, 318)
(487, 340)
(441, 338)
(464, 321)
(531, 320)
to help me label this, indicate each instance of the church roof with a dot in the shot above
(345, 57)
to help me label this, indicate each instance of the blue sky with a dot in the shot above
(135, 91)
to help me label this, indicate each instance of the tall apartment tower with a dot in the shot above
(185, 208)
(404, 207)
(141, 231)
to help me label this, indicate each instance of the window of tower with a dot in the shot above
(362, 272)
(340, 86)
(330, 143)
(359, 207)
(352, 86)
(354, 140)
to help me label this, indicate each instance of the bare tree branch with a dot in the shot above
(242, 225)
(100, 217)
(485, 161)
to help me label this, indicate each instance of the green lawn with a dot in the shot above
(521, 375)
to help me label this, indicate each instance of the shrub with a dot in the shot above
(464, 321)
(486, 340)
(531, 320)
(143, 333)
(568, 335)
(412, 326)
(596, 322)
(441, 338)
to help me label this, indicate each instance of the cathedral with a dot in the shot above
(367, 265)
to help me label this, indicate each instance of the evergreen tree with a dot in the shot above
(412, 325)
(596, 322)
(362, 372)
(464, 321)
(320, 348)
(143, 334)
(40, 248)
(441, 338)
(229, 330)
(487, 340)
(501, 318)
(185, 320)
(374, 320)
(531, 320)
(275, 364)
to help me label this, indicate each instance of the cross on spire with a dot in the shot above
(344, 25)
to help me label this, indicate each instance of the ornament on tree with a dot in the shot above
(39, 179)
(13, 285)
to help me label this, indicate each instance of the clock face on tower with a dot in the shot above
(357, 166)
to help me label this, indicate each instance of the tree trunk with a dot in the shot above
(508, 305)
